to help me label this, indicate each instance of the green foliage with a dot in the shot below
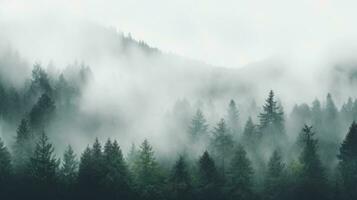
(348, 162)
(5, 166)
(240, 175)
(233, 118)
(275, 177)
(23, 147)
(198, 126)
(180, 186)
(42, 112)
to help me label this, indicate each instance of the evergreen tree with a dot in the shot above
(43, 169)
(147, 174)
(40, 81)
(23, 147)
(69, 168)
(86, 182)
(240, 175)
(132, 156)
(180, 186)
(5, 171)
(198, 127)
(312, 177)
(42, 112)
(233, 118)
(250, 134)
(116, 180)
(222, 143)
(274, 181)
(348, 162)
(272, 117)
(209, 181)
(316, 112)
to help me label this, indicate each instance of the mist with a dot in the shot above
(186, 77)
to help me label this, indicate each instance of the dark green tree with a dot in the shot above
(348, 162)
(23, 147)
(42, 112)
(180, 186)
(209, 181)
(239, 181)
(272, 117)
(43, 169)
(275, 177)
(147, 173)
(5, 171)
(222, 143)
(117, 180)
(69, 173)
(251, 135)
(312, 176)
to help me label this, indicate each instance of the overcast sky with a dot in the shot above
(221, 32)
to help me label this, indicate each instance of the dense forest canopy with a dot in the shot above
(250, 152)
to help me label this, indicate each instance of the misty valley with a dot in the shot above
(309, 153)
(201, 100)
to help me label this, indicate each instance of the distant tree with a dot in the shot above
(5, 171)
(272, 117)
(239, 181)
(274, 180)
(209, 182)
(41, 112)
(117, 180)
(23, 147)
(147, 173)
(40, 82)
(43, 169)
(251, 135)
(312, 177)
(348, 162)
(222, 143)
(198, 126)
(180, 186)
(316, 114)
(132, 156)
(233, 118)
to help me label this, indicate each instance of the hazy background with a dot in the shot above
(208, 52)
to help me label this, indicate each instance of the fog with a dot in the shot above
(200, 54)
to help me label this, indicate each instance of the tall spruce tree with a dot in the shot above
(147, 173)
(116, 180)
(42, 112)
(23, 147)
(209, 181)
(69, 169)
(198, 127)
(312, 177)
(233, 118)
(251, 135)
(222, 143)
(240, 175)
(272, 117)
(43, 169)
(348, 162)
(275, 175)
(180, 185)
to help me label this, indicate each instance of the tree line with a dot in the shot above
(257, 160)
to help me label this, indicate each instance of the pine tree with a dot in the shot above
(222, 143)
(272, 117)
(132, 156)
(316, 112)
(209, 181)
(348, 162)
(274, 181)
(43, 169)
(313, 180)
(198, 127)
(233, 118)
(42, 112)
(69, 167)
(180, 186)
(147, 174)
(117, 183)
(250, 133)
(23, 147)
(86, 182)
(5, 171)
(240, 175)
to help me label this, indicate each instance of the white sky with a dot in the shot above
(221, 32)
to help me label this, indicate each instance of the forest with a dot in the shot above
(310, 153)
